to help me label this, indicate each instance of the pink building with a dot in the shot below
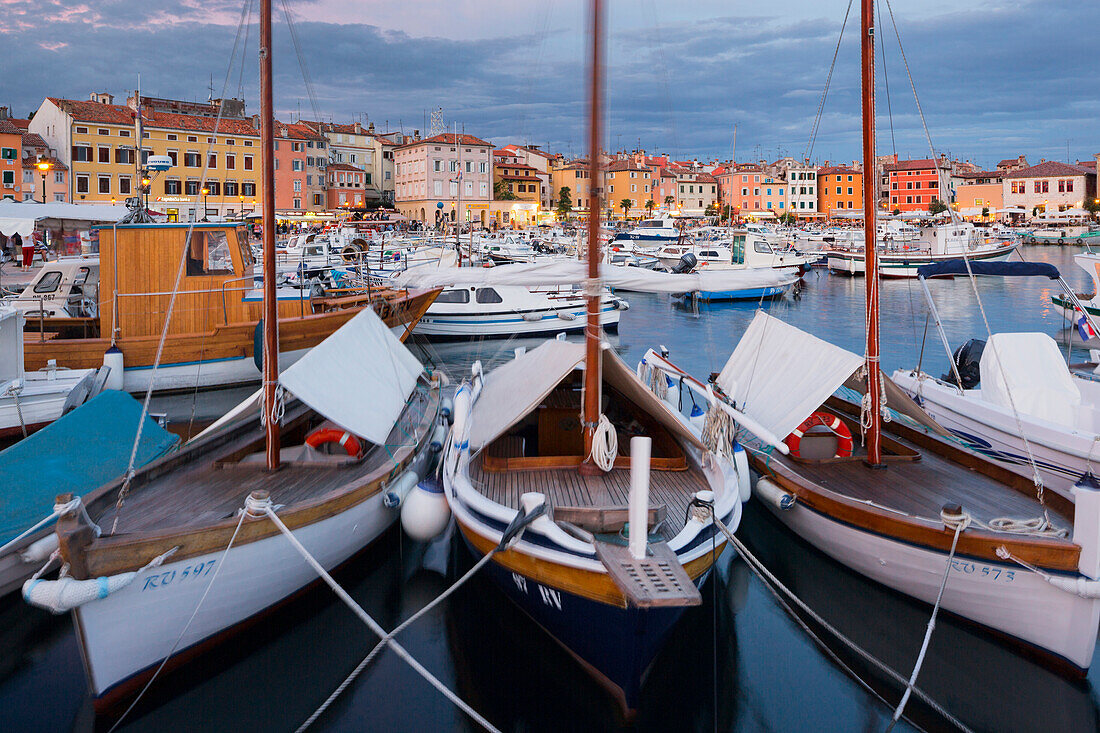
(444, 176)
(36, 151)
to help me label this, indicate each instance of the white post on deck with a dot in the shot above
(638, 513)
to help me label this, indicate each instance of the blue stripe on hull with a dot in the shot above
(751, 294)
(619, 644)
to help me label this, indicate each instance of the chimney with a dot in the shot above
(4, 113)
(416, 134)
(255, 122)
(370, 128)
(358, 129)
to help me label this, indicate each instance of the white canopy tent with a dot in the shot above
(22, 218)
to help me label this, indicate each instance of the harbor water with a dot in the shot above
(739, 662)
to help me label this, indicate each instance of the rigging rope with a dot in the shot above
(825, 92)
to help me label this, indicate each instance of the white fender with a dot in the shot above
(399, 488)
(65, 594)
(425, 512)
(115, 363)
(744, 479)
(768, 491)
(40, 550)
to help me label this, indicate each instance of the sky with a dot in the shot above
(994, 78)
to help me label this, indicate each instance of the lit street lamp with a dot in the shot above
(205, 193)
(44, 166)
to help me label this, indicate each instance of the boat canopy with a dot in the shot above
(1035, 372)
(513, 390)
(779, 374)
(360, 377)
(574, 272)
(1007, 269)
(76, 453)
(21, 218)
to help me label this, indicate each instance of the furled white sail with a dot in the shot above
(359, 377)
(572, 272)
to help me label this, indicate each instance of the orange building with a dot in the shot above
(839, 189)
(11, 161)
(913, 184)
(627, 180)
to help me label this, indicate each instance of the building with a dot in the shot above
(840, 189)
(11, 161)
(1009, 165)
(35, 153)
(352, 144)
(773, 195)
(306, 151)
(517, 190)
(574, 176)
(628, 180)
(741, 187)
(800, 178)
(914, 184)
(539, 160)
(1050, 185)
(212, 145)
(427, 178)
(697, 193)
(345, 187)
(978, 192)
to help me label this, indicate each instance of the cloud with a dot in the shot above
(679, 79)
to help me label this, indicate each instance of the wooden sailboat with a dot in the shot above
(908, 506)
(519, 457)
(164, 564)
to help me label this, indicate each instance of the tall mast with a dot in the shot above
(592, 286)
(458, 195)
(270, 310)
(870, 242)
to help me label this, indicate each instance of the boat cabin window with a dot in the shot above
(709, 253)
(453, 296)
(762, 247)
(48, 283)
(208, 254)
(242, 245)
(737, 249)
(488, 295)
(81, 276)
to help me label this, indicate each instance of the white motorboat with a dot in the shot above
(1016, 382)
(660, 230)
(513, 310)
(901, 258)
(64, 288)
(30, 400)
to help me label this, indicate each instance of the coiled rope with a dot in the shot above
(605, 444)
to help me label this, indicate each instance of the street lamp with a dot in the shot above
(44, 166)
(205, 193)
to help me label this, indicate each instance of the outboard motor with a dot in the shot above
(316, 290)
(967, 360)
(686, 264)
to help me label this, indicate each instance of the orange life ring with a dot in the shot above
(344, 439)
(844, 443)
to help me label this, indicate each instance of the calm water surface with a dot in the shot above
(737, 663)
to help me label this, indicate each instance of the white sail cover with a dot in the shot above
(359, 377)
(574, 272)
(779, 374)
(513, 390)
(517, 387)
(1035, 372)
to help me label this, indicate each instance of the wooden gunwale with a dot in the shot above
(110, 555)
(1053, 554)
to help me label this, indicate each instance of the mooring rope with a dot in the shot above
(264, 506)
(779, 590)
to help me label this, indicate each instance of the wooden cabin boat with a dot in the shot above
(213, 328)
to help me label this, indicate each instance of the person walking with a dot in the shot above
(27, 248)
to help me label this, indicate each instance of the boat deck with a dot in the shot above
(921, 488)
(209, 490)
(567, 487)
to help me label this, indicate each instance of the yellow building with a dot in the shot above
(96, 139)
(629, 181)
(574, 176)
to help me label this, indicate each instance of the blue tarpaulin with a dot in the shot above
(1005, 269)
(77, 453)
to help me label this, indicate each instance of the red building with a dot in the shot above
(912, 184)
(291, 191)
(346, 186)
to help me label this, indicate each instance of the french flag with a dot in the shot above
(1084, 327)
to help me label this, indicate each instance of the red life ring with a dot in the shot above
(344, 439)
(832, 422)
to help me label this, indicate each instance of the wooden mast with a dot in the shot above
(270, 309)
(595, 186)
(870, 242)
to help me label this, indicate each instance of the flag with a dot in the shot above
(1084, 327)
